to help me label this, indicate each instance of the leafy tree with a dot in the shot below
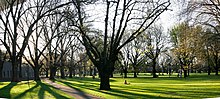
(205, 13)
(187, 43)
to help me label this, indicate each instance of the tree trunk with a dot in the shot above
(1, 68)
(95, 72)
(62, 72)
(90, 71)
(209, 70)
(84, 70)
(20, 68)
(125, 72)
(104, 84)
(185, 73)
(15, 75)
(36, 74)
(216, 64)
(188, 70)
(74, 72)
(111, 75)
(135, 74)
(154, 69)
(52, 73)
(216, 70)
(0, 74)
(71, 72)
(47, 72)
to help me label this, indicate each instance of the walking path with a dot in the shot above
(72, 92)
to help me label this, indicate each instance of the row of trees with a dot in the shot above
(53, 27)
(60, 35)
(196, 40)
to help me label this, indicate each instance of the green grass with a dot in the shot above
(197, 86)
(33, 90)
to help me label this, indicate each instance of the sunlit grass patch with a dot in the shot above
(196, 86)
(30, 90)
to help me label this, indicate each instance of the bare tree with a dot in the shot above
(134, 16)
(134, 53)
(11, 19)
(155, 47)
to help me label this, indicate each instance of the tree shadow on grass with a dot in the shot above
(113, 92)
(80, 92)
(47, 88)
(5, 91)
(86, 79)
(27, 91)
(41, 93)
(160, 92)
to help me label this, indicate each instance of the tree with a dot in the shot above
(134, 16)
(72, 62)
(11, 18)
(187, 43)
(212, 50)
(134, 52)
(205, 13)
(155, 46)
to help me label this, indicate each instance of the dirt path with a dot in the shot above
(72, 92)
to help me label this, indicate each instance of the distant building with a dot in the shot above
(26, 70)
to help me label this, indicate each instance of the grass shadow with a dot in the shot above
(5, 91)
(81, 93)
(48, 88)
(113, 92)
(195, 86)
(27, 91)
(42, 88)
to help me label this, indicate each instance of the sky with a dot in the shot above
(167, 19)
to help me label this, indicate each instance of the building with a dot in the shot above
(26, 70)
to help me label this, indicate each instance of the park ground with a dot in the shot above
(196, 86)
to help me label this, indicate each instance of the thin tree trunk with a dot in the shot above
(216, 64)
(0, 74)
(135, 74)
(47, 72)
(1, 68)
(209, 70)
(188, 70)
(70, 72)
(84, 70)
(125, 72)
(74, 72)
(62, 72)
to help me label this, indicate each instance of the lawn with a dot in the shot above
(197, 86)
(31, 90)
